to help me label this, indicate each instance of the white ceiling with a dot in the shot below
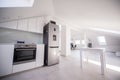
(16, 3)
(83, 13)
(90, 13)
(40, 8)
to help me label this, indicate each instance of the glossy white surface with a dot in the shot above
(23, 24)
(6, 59)
(33, 24)
(24, 66)
(30, 65)
(40, 55)
(10, 24)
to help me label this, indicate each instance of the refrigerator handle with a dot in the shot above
(54, 46)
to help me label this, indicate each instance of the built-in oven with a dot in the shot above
(24, 53)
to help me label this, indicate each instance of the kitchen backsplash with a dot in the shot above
(12, 36)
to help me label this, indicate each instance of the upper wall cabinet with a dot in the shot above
(32, 24)
(35, 24)
(11, 24)
(40, 24)
(23, 24)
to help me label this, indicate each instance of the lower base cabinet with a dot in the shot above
(6, 59)
(23, 66)
(29, 65)
(40, 55)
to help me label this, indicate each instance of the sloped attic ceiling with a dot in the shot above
(89, 13)
(16, 3)
(39, 8)
(83, 13)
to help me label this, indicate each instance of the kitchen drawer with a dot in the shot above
(23, 66)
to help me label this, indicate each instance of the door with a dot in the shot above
(53, 56)
(23, 25)
(32, 25)
(40, 24)
(10, 24)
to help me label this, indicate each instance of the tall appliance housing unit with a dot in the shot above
(51, 41)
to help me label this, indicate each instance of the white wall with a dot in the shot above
(65, 40)
(112, 41)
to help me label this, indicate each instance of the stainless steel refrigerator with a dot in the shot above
(51, 41)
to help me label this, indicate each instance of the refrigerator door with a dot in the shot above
(53, 56)
(53, 35)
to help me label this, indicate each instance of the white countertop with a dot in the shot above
(14, 43)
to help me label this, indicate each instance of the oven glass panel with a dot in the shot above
(24, 54)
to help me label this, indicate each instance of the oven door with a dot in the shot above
(24, 54)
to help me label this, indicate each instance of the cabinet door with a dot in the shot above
(40, 24)
(6, 59)
(32, 25)
(40, 55)
(23, 66)
(23, 25)
(11, 24)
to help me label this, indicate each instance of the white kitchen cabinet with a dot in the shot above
(10, 24)
(40, 55)
(23, 66)
(40, 24)
(23, 25)
(6, 59)
(32, 24)
(35, 24)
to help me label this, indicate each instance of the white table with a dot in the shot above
(102, 57)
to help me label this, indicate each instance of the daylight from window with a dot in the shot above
(112, 67)
(83, 42)
(16, 3)
(77, 41)
(101, 40)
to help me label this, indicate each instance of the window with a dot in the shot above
(101, 40)
(16, 3)
(77, 41)
(83, 42)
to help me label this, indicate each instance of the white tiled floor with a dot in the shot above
(69, 69)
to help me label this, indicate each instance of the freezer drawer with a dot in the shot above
(53, 55)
